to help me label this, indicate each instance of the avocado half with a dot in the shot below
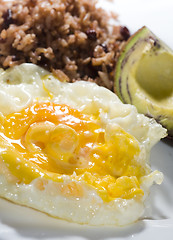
(144, 77)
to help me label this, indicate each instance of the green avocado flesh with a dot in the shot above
(144, 77)
(154, 74)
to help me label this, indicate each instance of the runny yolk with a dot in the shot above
(48, 140)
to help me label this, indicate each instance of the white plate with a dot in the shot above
(20, 223)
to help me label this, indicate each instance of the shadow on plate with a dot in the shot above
(83, 232)
(31, 224)
(168, 141)
(161, 197)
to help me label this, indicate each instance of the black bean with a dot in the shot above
(104, 46)
(44, 61)
(109, 68)
(7, 16)
(15, 57)
(125, 32)
(92, 35)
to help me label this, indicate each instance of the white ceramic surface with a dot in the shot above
(20, 223)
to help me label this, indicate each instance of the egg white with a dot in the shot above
(19, 87)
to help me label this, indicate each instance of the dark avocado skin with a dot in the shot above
(122, 81)
(124, 56)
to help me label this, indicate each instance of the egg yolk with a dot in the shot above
(48, 140)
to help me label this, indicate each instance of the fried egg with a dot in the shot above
(73, 150)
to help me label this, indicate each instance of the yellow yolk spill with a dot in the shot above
(48, 140)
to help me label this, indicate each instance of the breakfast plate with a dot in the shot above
(18, 222)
